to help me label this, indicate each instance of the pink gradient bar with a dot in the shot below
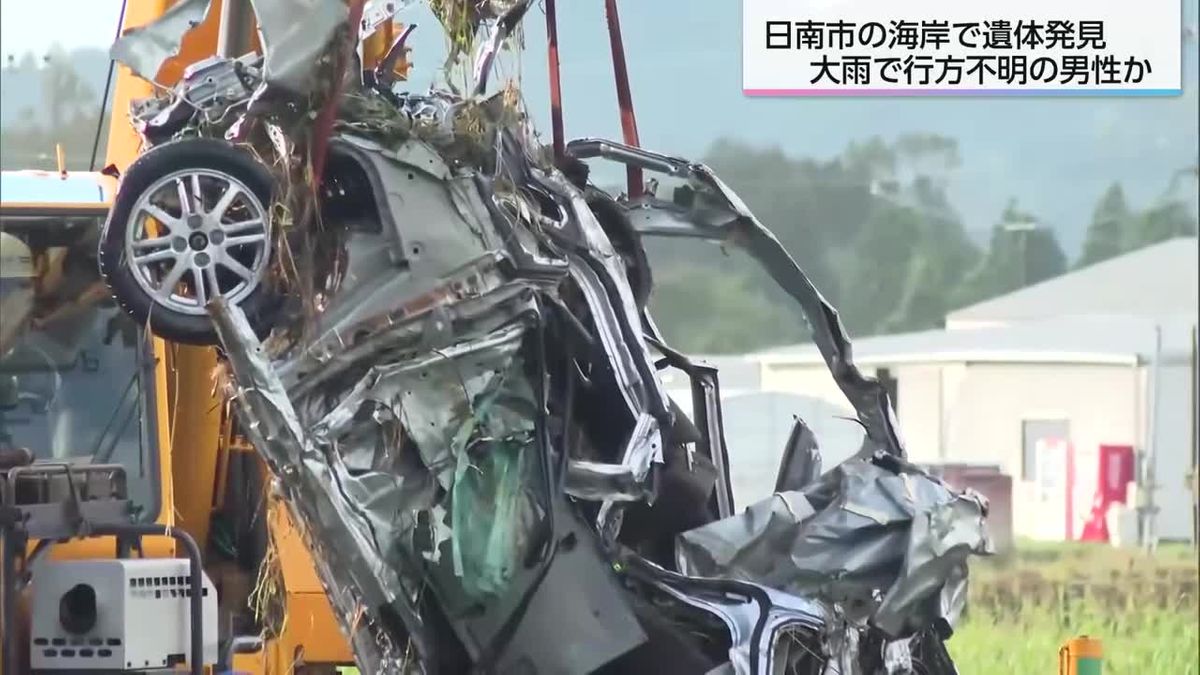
(960, 92)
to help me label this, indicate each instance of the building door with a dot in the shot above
(1047, 481)
(1033, 431)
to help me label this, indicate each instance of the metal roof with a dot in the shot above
(1158, 280)
(1084, 340)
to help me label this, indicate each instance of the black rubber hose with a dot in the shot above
(108, 81)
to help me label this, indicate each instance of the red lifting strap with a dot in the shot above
(624, 98)
(323, 125)
(556, 113)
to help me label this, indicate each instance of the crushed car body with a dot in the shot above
(438, 339)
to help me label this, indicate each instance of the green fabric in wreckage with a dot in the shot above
(490, 505)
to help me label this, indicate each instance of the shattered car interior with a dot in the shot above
(435, 331)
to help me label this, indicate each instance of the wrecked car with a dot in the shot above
(437, 336)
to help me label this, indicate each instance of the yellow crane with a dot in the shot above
(114, 444)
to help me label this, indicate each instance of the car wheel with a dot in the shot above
(191, 222)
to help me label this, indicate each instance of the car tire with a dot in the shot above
(239, 255)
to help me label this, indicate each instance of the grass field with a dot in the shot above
(1024, 606)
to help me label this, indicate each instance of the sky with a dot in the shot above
(24, 26)
(686, 79)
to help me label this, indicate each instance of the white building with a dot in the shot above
(1099, 356)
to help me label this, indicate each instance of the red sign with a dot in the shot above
(1112, 485)
(1116, 472)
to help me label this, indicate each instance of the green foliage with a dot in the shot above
(1116, 229)
(1159, 223)
(708, 300)
(1110, 222)
(1021, 253)
(875, 273)
(1141, 641)
(872, 227)
(1142, 608)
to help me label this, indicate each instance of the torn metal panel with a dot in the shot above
(594, 481)
(757, 617)
(295, 35)
(433, 395)
(498, 31)
(607, 271)
(485, 306)
(709, 209)
(343, 542)
(600, 273)
(801, 461)
(429, 228)
(644, 447)
(146, 48)
(860, 532)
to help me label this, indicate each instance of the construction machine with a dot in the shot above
(137, 534)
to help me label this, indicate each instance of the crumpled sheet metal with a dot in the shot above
(329, 356)
(801, 463)
(860, 530)
(630, 355)
(596, 481)
(724, 217)
(343, 541)
(295, 35)
(469, 409)
(618, 326)
(842, 644)
(756, 616)
(432, 395)
(498, 31)
(146, 48)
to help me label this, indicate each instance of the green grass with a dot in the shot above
(1024, 606)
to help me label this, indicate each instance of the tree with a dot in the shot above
(1044, 257)
(63, 91)
(942, 258)
(702, 309)
(811, 206)
(897, 273)
(923, 299)
(1021, 253)
(876, 266)
(1161, 222)
(1110, 221)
